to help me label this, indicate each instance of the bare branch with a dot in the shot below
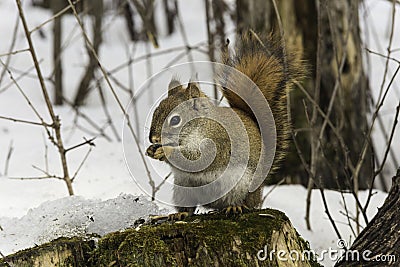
(305, 165)
(86, 142)
(58, 14)
(54, 117)
(37, 178)
(15, 52)
(13, 41)
(23, 74)
(10, 150)
(27, 122)
(159, 186)
(46, 159)
(106, 112)
(128, 121)
(81, 164)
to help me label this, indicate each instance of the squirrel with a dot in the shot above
(273, 69)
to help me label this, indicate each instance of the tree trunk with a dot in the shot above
(56, 6)
(96, 9)
(204, 240)
(130, 22)
(380, 240)
(253, 14)
(342, 81)
(170, 13)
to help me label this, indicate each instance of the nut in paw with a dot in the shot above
(152, 149)
(156, 151)
(159, 154)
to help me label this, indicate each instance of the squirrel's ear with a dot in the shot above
(174, 86)
(193, 90)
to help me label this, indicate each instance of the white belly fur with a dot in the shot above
(234, 197)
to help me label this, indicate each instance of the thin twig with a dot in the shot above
(14, 52)
(81, 164)
(149, 73)
(46, 158)
(10, 151)
(340, 65)
(323, 115)
(30, 104)
(131, 55)
(22, 75)
(273, 188)
(314, 116)
(37, 178)
(183, 33)
(307, 168)
(382, 55)
(393, 18)
(346, 213)
(158, 53)
(106, 112)
(58, 14)
(88, 119)
(54, 117)
(368, 135)
(86, 142)
(10, 50)
(388, 146)
(46, 173)
(25, 121)
(92, 50)
(153, 196)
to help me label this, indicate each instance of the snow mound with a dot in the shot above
(73, 216)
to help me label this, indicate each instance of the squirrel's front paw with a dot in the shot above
(152, 149)
(159, 152)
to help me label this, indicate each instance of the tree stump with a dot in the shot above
(379, 242)
(251, 239)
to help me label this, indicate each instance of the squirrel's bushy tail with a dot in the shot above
(273, 68)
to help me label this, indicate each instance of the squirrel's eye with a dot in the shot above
(175, 120)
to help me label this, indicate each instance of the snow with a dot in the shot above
(291, 199)
(376, 29)
(74, 216)
(36, 211)
(77, 216)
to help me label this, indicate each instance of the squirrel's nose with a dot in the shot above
(155, 139)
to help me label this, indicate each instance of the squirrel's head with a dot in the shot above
(174, 111)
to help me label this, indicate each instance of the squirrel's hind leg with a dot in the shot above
(236, 209)
(252, 201)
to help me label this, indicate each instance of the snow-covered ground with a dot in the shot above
(74, 216)
(104, 176)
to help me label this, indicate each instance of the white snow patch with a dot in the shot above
(73, 216)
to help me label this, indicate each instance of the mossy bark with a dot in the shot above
(204, 240)
(61, 252)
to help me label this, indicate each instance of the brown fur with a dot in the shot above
(273, 70)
